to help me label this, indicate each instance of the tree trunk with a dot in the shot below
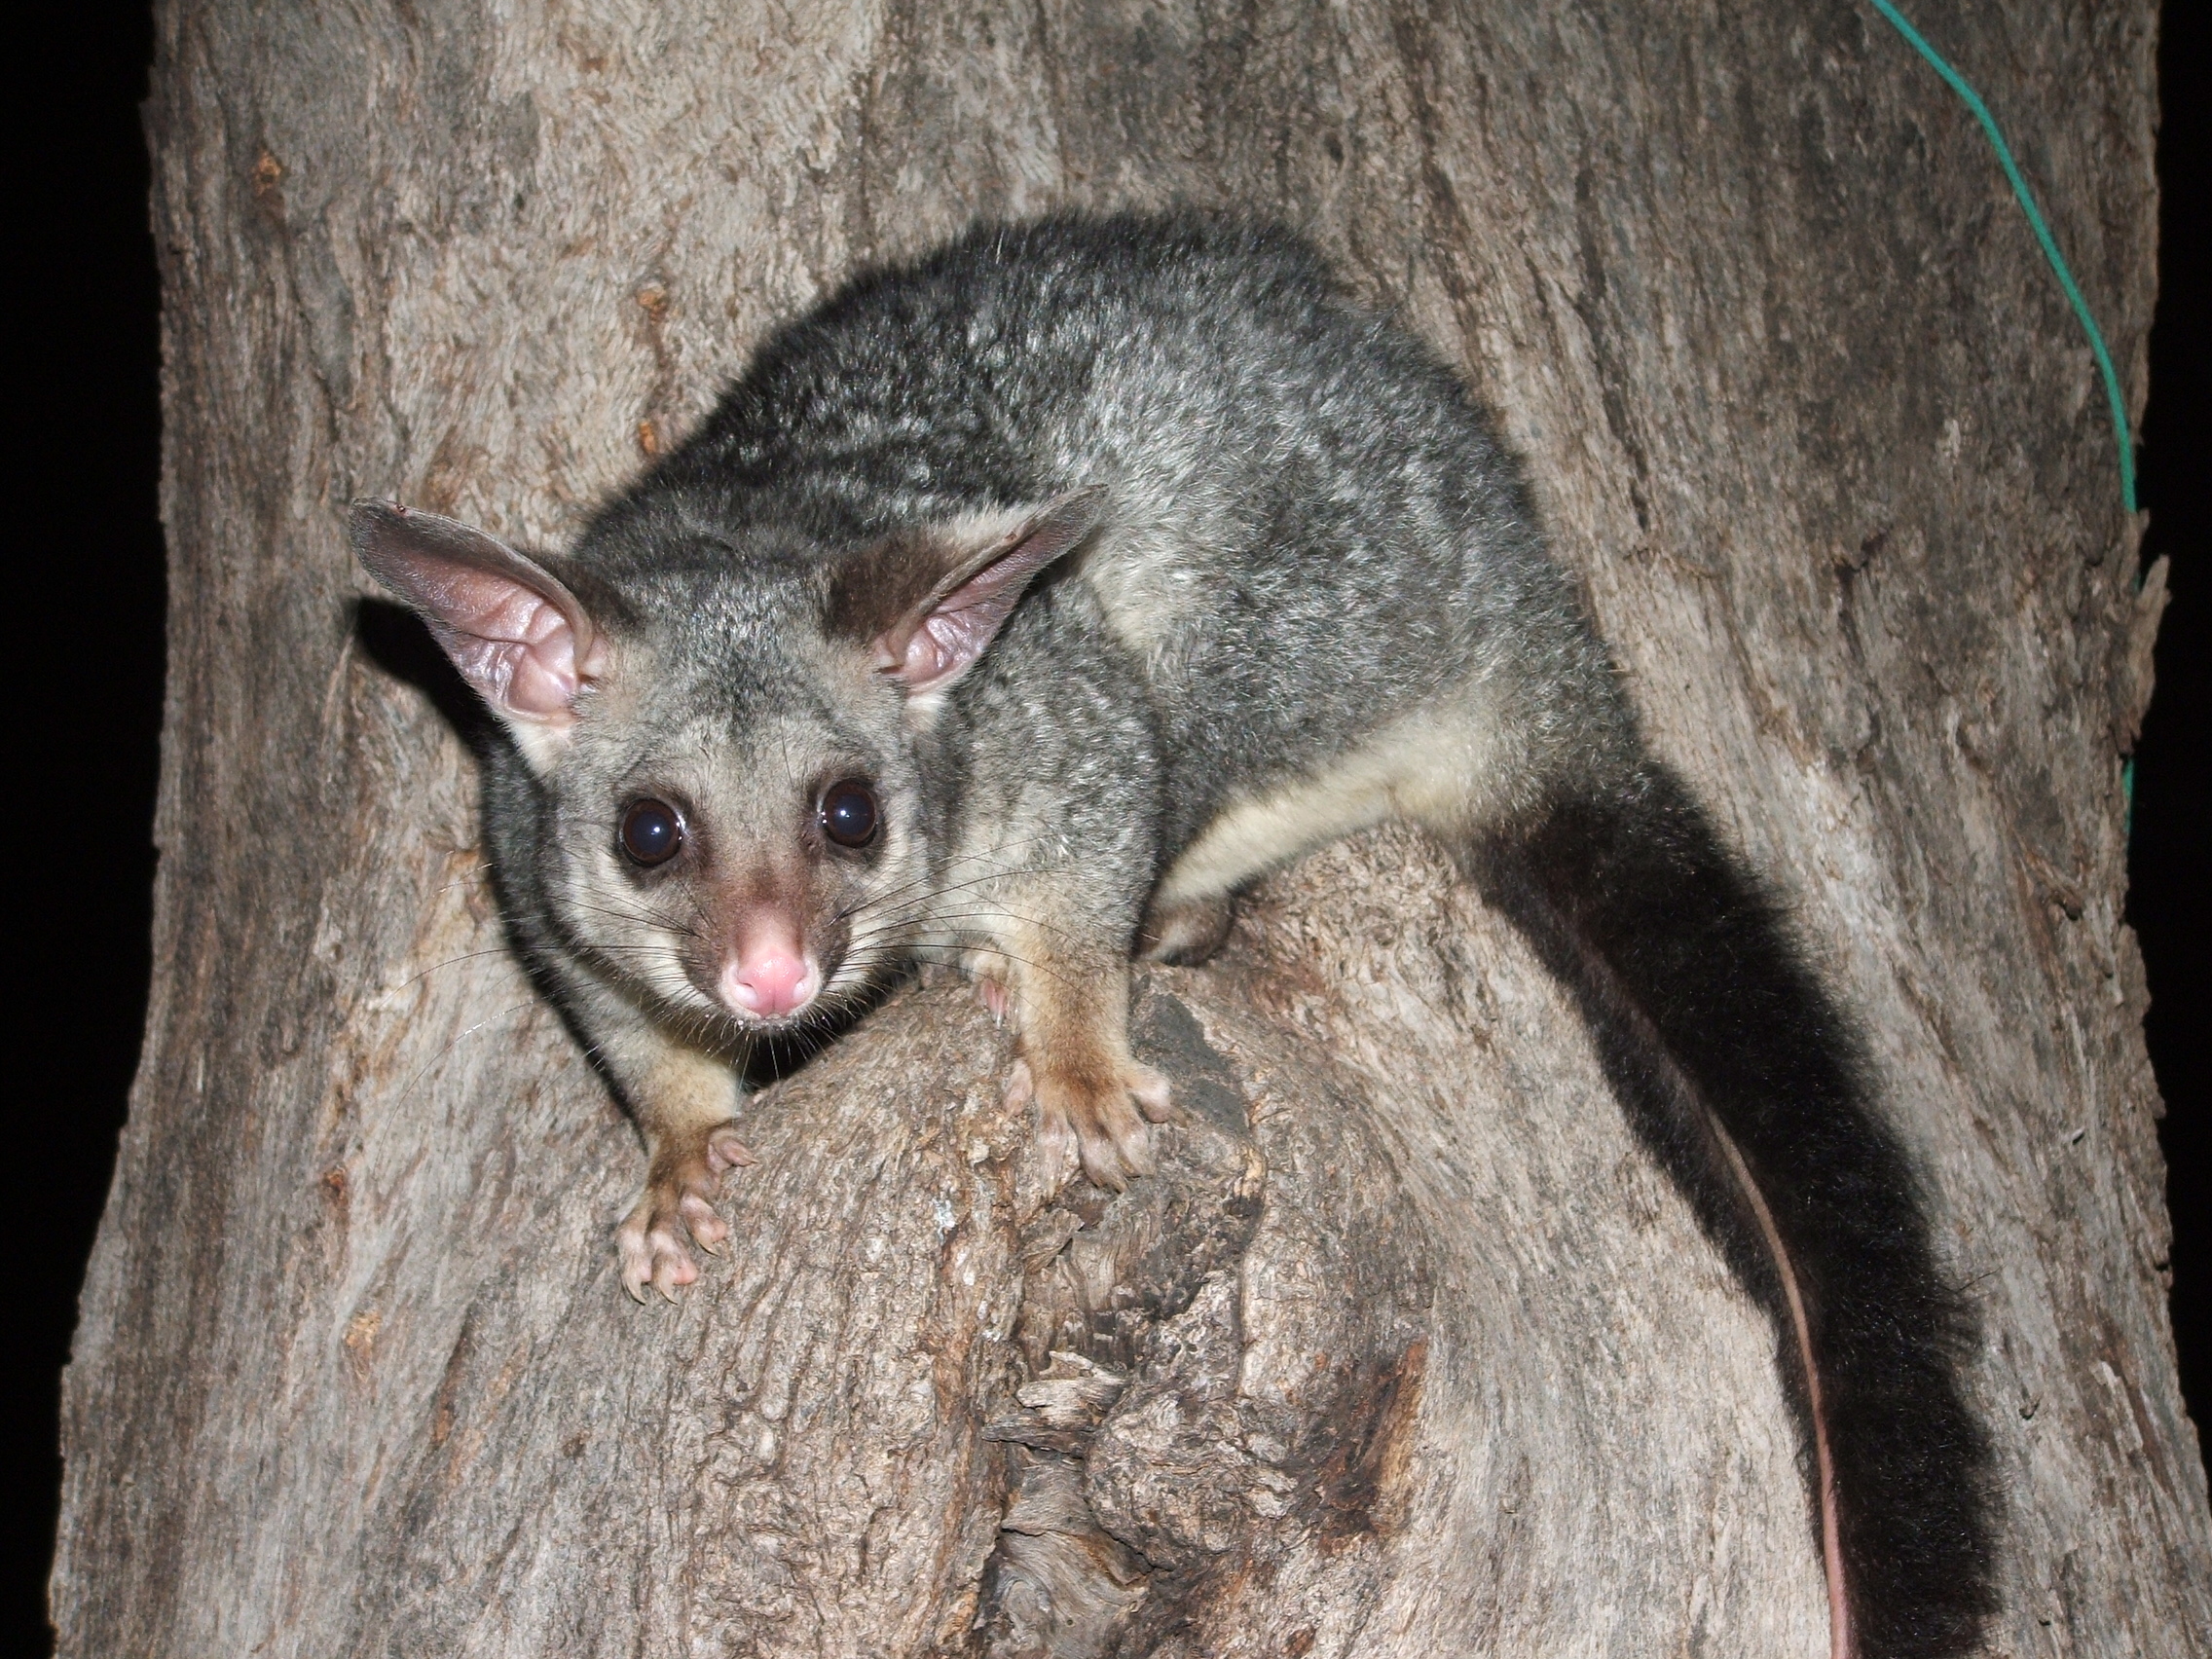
(1409, 1348)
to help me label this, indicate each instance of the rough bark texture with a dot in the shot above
(1410, 1349)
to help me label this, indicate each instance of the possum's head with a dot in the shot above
(725, 733)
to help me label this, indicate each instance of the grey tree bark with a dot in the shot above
(1410, 1349)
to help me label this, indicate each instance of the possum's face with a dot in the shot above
(728, 740)
(737, 814)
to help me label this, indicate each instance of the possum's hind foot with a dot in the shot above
(1186, 932)
(1088, 1119)
(679, 1196)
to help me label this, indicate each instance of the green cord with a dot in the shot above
(2042, 235)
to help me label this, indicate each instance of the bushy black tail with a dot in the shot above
(1744, 1078)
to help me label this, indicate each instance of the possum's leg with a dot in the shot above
(1070, 1003)
(1445, 763)
(682, 1107)
(1263, 829)
(685, 1103)
(1187, 931)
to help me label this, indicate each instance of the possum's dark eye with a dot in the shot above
(848, 813)
(652, 831)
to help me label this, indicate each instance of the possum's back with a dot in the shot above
(1171, 357)
(1311, 518)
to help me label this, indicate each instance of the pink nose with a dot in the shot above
(768, 985)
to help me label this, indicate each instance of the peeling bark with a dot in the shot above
(1409, 1348)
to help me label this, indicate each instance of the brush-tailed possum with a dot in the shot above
(1019, 604)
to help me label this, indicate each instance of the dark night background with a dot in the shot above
(87, 573)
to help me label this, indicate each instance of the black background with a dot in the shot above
(84, 594)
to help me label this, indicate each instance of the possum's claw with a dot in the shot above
(678, 1199)
(993, 995)
(1087, 1120)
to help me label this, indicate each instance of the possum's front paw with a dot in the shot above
(679, 1195)
(1087, 1118)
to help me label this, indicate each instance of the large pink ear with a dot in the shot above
(929, 604)
(514, 631)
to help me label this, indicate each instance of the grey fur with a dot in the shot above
(1308, 551)
(1279, 578)
(1311, 521)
